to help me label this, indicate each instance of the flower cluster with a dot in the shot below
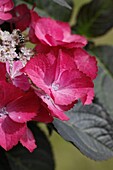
(41, 83)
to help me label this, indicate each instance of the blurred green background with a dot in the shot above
(67, 157)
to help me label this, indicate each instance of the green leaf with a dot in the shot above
(104, 54)
(90, 129)
(104, 90)
(49, 127)
(63, 3)
(95, 18)
(4, 164)
(41, 159)
(104, 80)
(51, 8)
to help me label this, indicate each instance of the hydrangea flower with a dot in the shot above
(58, 76)
(41, 83)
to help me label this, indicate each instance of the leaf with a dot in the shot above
(41, 159)
(104, 90)
(55, 10)
(62, 3)
(90, 129)
(49, 127)
(104, 80)
(51, 8)
(95, 18)
(4, 164)
(104, 54)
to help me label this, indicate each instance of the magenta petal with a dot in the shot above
(54, 109)
(32, 36)
(24, 108)
(70, 90)
(34, 18)
(2, 2)
(10, 133)
(38, 69)
(18, 78)
(43, 115)
(15, 69)
(48, 26)
(74, 41)
(56, 33)
(22, 17)
(41, 48)
(9, 5)
(2, 71)
(5, 16)
(28, 140)
(88, 97)
(22, 82)
(85, 63)
(8, 93)
(69, 83)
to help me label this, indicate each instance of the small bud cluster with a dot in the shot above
(12, 48)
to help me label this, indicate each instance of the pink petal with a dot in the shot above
(17, 77)
(2, 71)
(88, 97)
(47, 26)
(71, 90)
(54, 109)
(3, 2)
(85, 63)
(24, 108)
(65, 27)
(41, 48)
(43, 115)
(32, 36)
(15, 69)
(10, 133)
(28, 140)
(8, 93)
(36, 69)
(5, 16)
(55, 33)
(22, 82)
(74, 41)
(65, 92)
(8, 6)
(34, 18)
(22, 17)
